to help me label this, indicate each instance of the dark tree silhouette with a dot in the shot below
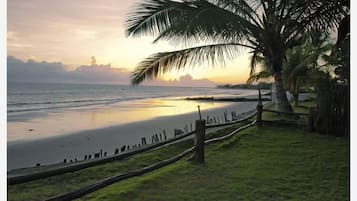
(268, 28)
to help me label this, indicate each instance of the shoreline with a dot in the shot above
(78, 144)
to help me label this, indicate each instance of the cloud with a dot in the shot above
(56, 72)
(32, 71)
(184, 81)
(103, 74)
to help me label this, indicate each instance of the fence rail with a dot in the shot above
(108, 181)
(198, 150)
(22, 178)
(17, 179)
(286, 113)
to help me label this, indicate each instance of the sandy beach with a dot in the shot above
(52, 150)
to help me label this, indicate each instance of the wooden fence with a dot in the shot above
(72, 167)
(198, 156)
(197, 150)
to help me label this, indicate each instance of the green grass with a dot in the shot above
(263, 164)
(268, 163)
(49, 187)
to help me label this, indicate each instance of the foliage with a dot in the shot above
(257, 164)
(34, 190)
(267, 28)
(260, 85)
(267, 164)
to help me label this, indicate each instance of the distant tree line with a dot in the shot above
(260, 85)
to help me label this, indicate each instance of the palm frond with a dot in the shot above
(154, 16)
(308, 16)
(187, 21)
(162, 62)
(258, 76)
(255, 59)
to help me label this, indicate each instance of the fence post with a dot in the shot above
(200, 141)
(259, 110)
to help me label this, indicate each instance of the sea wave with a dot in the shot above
(49, 105)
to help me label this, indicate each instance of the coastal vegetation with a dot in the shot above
(279, 163)
(268, 164)
(260, 85)
(267, 29)
(302, 150)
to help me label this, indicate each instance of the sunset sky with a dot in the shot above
(71, 32)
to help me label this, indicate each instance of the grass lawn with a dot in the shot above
(262, 164)
(268, 163)
(52, 186)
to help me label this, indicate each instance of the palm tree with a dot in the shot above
(300, 65)
(268, 28)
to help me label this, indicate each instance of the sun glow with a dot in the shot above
(95, 31)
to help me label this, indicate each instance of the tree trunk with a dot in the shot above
(296, 93)
(283, 104)
(323, 101)
(296, 99)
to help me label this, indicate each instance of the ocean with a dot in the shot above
(49, 122)
(37, 110)
(26, 97)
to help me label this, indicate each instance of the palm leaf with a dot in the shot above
(162, 62)
(258, 76)
(187, 21)
(254, 60)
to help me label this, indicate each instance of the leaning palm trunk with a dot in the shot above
(296, 92)
(267, 28)
(296, 99)
(283, 104)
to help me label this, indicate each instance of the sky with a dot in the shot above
(71, 32)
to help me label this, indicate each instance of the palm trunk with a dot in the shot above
(283, 104)
(296, 93)
(296, 99)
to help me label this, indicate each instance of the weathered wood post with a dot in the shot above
(200, 133)
(164, 132)
(259, 110)
(199, 112)
(143, 141)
